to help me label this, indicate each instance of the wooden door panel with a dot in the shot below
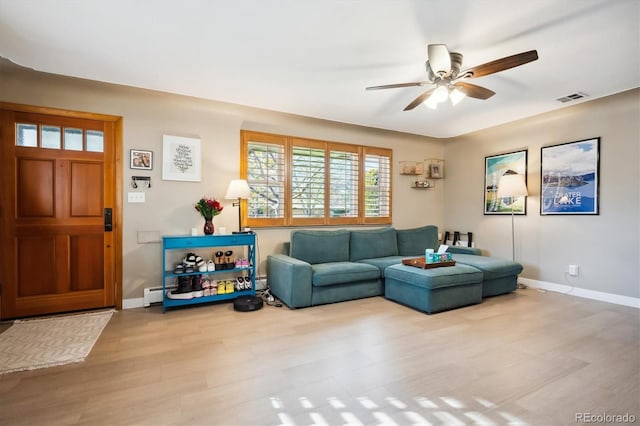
(86, 194)
(86, 262)
(36, 269)
(36, 187)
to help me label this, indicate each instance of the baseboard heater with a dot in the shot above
(153, 295)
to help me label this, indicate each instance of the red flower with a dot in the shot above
(208, 207)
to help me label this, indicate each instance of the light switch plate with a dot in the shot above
(135, 197)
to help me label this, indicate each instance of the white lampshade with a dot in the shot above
(512, 185)
(238, 188)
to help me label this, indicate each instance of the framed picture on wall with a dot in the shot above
(140, 159)
(569, 178)
(181, 158)
(495, 166)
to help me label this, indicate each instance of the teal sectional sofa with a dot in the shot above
(323, 267)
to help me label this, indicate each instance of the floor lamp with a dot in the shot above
(512, 185)
(238, 190)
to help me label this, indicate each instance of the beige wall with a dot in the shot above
(605, 247)
(169, 209)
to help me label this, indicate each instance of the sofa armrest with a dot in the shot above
(289, 280)
(464, 250)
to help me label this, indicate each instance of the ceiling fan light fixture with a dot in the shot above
(431, 102)
(456, 96)
(441, 94)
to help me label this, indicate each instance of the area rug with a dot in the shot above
(47, 342)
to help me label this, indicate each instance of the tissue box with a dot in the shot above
(438, 257)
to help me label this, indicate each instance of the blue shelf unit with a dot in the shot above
(185, 244)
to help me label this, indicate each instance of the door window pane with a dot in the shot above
(73, 139)
(95, 141)
(50, 137)
(27, 135)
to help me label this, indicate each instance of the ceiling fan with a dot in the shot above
(443, 73)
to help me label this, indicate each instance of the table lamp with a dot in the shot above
(238, 190)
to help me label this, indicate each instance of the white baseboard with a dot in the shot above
(137, 302)
(617, 299)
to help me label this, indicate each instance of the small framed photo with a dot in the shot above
(435, 170)
(142, 160)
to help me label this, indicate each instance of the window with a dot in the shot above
(51, 136)
(304, 182)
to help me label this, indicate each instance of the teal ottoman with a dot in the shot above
(433, 290)
(499, 276)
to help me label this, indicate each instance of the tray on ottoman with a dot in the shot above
(419, 262)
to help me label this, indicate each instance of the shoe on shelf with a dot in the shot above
(196, 286)
(179, 269)
(206, 287)
(214, 287)
(200, 264)
(211, 266)
(189, 269)
(222, 288)
(247, 283)
(183, 292)
(229, 287)
(190, 259)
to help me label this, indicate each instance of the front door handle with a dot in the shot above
(108, 220)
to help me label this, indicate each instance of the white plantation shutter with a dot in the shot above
(377, 185)
(344, 174)
(265, 162)
(307, 181)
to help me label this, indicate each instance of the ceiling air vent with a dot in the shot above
(572, 97)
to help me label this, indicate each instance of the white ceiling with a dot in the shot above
(315, 58)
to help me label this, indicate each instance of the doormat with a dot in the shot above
(47, 342)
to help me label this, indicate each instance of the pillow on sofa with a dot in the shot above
(373, 243)
(320, 246)
(413, 242)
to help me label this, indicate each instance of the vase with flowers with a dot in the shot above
(208, 208)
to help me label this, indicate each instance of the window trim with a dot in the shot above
(288, 142)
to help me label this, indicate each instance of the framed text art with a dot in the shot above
(495, 166)
(181, 158)
(569, 178)
(140, 159)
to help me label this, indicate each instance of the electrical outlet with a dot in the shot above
(135, 197)
(574, 270)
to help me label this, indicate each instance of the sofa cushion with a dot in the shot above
(325, 274)
(413, 242)
(491, 267)
(320, 246)
(373, 243)
(383, 263)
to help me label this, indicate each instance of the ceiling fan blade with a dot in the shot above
(474, 91)
(395, 86)
(439, 59)
(420, 99)
(501, 64)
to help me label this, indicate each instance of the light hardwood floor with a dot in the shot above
(524, 358)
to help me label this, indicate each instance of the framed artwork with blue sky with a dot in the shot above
(495, 166)
(569, 178)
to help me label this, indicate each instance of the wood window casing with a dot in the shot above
(341, 193)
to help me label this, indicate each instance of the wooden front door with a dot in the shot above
(57, 200)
